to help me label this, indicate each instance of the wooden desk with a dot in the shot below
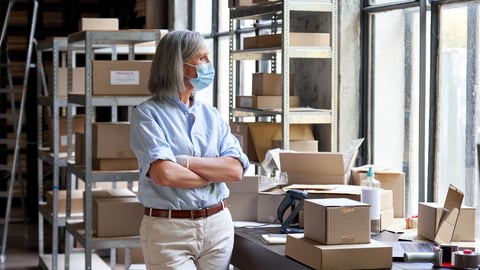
(250, 253)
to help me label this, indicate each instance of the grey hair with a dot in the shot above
(166, 74)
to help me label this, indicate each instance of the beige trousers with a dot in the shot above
(186, 244)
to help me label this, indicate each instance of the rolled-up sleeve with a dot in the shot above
(147, 140)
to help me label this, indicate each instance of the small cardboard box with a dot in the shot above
(136, 255)
(264, 102)
(114, 164)
(429, 214)
(327, 257)
(98, 24)
(386, 199)
(337, 221)
(242, 201)
(270, 84)
(310, 39)
(76, 201)
(123, 77)
(386, 218)
(103, 147)
(268, 203)
(78, 125)
(264, 133)
(313, 168)
(295, 39)
(389, 179)
(250, 42)
(439, 223)
(79, 148)
(242, 132)
(78, 81)
(298, 145)
(239, 3)
(116, 217)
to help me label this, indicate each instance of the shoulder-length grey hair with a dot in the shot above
(166, 74)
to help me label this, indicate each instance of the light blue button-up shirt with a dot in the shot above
(164, 129)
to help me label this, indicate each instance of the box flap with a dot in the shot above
(313, 168)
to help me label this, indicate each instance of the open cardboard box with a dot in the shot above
(447, 219)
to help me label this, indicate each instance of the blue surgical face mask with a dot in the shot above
(205, 75)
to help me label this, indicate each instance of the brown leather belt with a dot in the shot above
(196, 213)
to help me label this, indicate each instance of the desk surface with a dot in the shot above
(250, 253)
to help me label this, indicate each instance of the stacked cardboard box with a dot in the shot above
(336, 229)
(257, 138)
(267, 91)
(389, 179)
(78, 125)
(108, 154)
(295, 39)
(115, 213)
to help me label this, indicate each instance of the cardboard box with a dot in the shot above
(337, 221)
(299, 146)
(267, 205)
(386, 199)
(76, 201)
(295, 39)
(327, 257)
(444, 220)
(98, 24)
(78, 81)
(386, 218)
(103, 147)
(239, 3)
(265, 102)
(329, 191)
(264, 133)
(112, 78)
(313, 168)
(136, 255)
(429, 214)
(310, 39)
(114, 164)
(101, 193)
(270, 84)
(242, 132)
(78, 125)
(242, 201)
(250, 42)
(389, 179)
(79, 148)
(116, 217)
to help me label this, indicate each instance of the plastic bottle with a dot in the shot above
(371, 195)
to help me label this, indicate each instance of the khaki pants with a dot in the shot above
(204, 243)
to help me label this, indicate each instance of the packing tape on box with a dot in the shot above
(466, 259)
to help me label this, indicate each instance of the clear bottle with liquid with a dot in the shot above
(371, 195)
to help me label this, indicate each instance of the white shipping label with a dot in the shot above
(124, 77)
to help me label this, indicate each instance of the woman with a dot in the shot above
(185, 153)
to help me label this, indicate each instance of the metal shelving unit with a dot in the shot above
(280, 13)
(91, 42)
(51, 155)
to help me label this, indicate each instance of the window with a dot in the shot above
(458, 103)
(424, 113)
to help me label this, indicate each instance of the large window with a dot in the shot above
(395, 95)
(458, 106)
(424, 113)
